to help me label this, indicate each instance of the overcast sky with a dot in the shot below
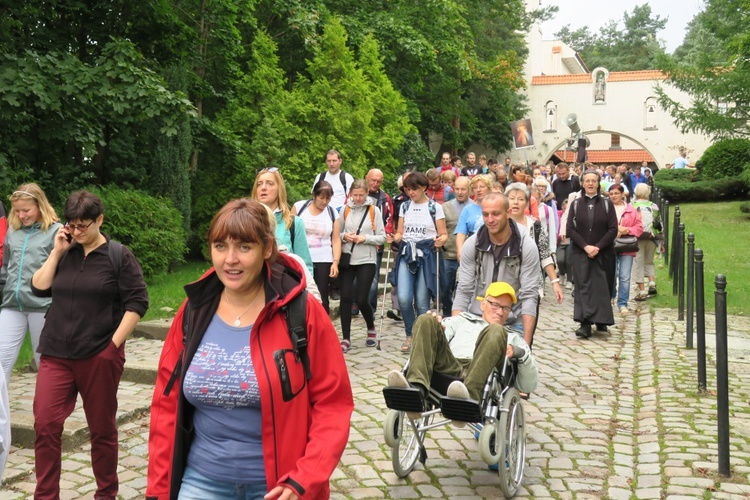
(597, 13)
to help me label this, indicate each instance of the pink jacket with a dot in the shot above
(632, 220)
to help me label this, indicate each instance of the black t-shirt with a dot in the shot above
(562, 189)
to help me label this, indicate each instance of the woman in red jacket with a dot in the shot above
(234, 414)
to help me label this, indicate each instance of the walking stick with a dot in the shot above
(385, 285)
(437, 285)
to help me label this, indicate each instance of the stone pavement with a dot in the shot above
(616, 416)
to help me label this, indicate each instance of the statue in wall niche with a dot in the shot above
(600, 88)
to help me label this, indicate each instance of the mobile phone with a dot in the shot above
(68, 237)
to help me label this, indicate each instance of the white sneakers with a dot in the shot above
(458, 390)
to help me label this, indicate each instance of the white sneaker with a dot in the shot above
(397, 379)
(458, 390)
(568, 285)
(624, 311)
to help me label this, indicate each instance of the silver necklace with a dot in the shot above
(237, 320)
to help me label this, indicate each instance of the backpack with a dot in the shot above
(650, 226)
(372, 215)
(307, 204)
(430, 207)
(342, 179)
(295, 311)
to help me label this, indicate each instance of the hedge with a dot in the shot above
(150, 227)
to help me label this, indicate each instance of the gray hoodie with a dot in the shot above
(518, 266)
(26, 249)
(363, 253)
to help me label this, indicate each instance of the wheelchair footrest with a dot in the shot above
(403, 399)
(463, 410)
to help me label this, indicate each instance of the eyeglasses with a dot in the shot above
(271, 169)
(497, 306)
(79, 227)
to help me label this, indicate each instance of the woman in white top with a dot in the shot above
(323, 235)
(421, 228)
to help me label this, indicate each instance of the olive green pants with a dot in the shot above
(431, 353)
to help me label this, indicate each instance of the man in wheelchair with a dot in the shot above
(468, 346)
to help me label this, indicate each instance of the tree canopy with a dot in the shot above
(187, 99)
(712, 65)
(629, 44)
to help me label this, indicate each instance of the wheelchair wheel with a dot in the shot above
(489, 444)
(405, 453)
(392, 427)
(512, 431)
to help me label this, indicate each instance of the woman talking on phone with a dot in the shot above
(98, 296)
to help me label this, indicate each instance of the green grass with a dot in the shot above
(723, 233)
(167, 290)
(25, 355)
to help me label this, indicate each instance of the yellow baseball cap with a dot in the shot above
(499, 288)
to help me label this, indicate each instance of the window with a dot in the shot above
(550, 117)
(650, 112)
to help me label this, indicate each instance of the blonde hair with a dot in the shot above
(286, 211)
(448, 176)
(32, 191)
(482, 178)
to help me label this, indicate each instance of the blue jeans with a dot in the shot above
(196, 486)
(622, 275)
(448, 285)
(412, 288)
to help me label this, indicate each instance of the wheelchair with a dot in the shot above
(498, 421)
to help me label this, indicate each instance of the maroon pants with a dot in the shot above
(58, 383)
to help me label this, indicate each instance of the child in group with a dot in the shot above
(33, 226)
(448, 178)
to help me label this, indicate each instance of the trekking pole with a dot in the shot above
(437, 284)
(385, 285)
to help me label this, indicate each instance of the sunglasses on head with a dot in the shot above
(268, 169)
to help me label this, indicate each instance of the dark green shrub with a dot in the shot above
(675, 174)
(703, 190)
(745, 207)
(150, 227)
(726, 158)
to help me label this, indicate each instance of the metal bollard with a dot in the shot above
(700, 316)
(690, 290)
(665, 223)
(722, 374)
(679, 282)
(673, 257)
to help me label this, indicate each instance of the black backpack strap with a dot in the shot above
(186, 317)
(296, 317)
(304, 207)
(342, 179)
(331, 214)
(115, 256)
(291, 235)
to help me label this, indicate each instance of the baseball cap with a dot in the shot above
(499, 288)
